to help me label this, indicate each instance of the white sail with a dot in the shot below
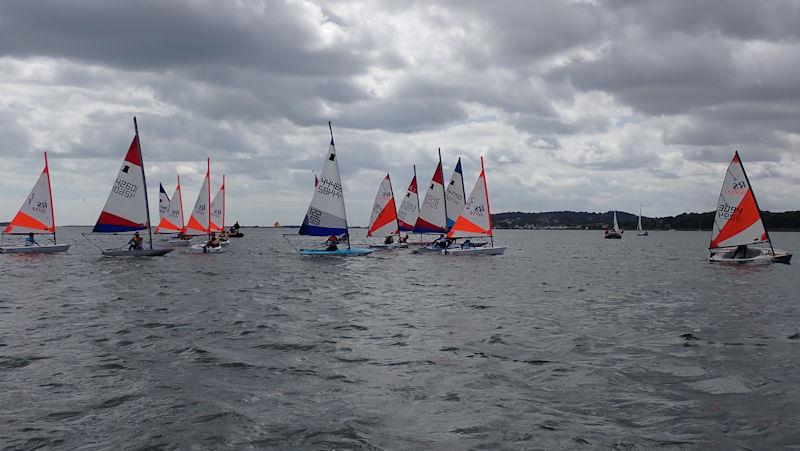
(326, 215)
(218, 209)
(36, 213)
(383, 221)
(454, 195)
(199, 220)
(639, 223)
(432, 217)
(409, 208)
(476, 218)
(163, 201)
(172, 218)
(616, 225)
(126, 207)
(738, 218)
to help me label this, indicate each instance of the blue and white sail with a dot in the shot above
(326, 214)
(455, 195)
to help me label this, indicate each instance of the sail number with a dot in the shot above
(124, 189)
(727, 212)
(327, 187)
(39, 206)
(314, 216)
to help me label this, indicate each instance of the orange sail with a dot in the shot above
(36, 214)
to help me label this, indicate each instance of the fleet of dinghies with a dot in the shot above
(738, 236)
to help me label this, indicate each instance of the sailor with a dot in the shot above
(332, 243)
(389, 239)
(135, 242)
(30, 240)
(403, 240)
(441, 242)
(466, 244)
(212, 242)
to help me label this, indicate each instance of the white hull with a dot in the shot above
(202, 249)
(136, 252)
(485, 250)
(753, 255)
(47, 249)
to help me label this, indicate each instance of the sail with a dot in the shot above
(455, 195)
(172, 218)
(738, 219)
(199, 220)
(432, 218)
(409, 208)
(36, 214)
(616, 224)
(218, 209)
(163, 201)
(326, 214)
(126, 207)
(476, 218)
(383, 221)
(639, 224)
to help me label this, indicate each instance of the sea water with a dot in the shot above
(566, 341)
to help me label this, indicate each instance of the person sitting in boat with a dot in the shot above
(30, 240)
(213, 241)
(389, 240)
(741, 251)
(333, 243)
(235, 227)
(135, 242)
(403, 240)
(466, 244)
(183, 236)
(223, 236)
(441, 242)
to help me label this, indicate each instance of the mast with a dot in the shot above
(144, 181)
(488, 209)
(180, 201)
(750, 187)
(346, 226)
(223, 202)
(444, 192)
(50, 190)
(208, 209)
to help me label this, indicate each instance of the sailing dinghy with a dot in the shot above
(171, 220)
(384, 222)
(127, 208)
(616, 232)
(326, 214)
(738, 223)
(474, 221)
(35, 216)
(639, 230)
(200, 220)
(433, 212)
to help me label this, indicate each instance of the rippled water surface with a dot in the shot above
(567, 341)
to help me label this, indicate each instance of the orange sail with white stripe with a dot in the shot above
(383, 221)
(36, 214)
(172, 217)
(475, 219)
(738, 218)
(200, 219)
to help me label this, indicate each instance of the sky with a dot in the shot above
(582, 105)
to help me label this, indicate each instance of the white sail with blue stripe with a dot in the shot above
(455, 195)
(326, 215)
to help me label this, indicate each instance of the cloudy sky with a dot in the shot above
(585, 105)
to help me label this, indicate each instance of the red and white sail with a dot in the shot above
(383, 221)
(738, 219)
(218, 209)
(172, 217)
(36, 214)
(476, 218)
(432, 217)
(126, 207)
(201, 218)
(409, 208)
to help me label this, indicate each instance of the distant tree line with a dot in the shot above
(788, 220)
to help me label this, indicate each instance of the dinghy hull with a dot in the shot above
(34, 249)
(753, 255)
(484, 250)
(136, 252)
(352, 252)
(389, 246)
(202, 249)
